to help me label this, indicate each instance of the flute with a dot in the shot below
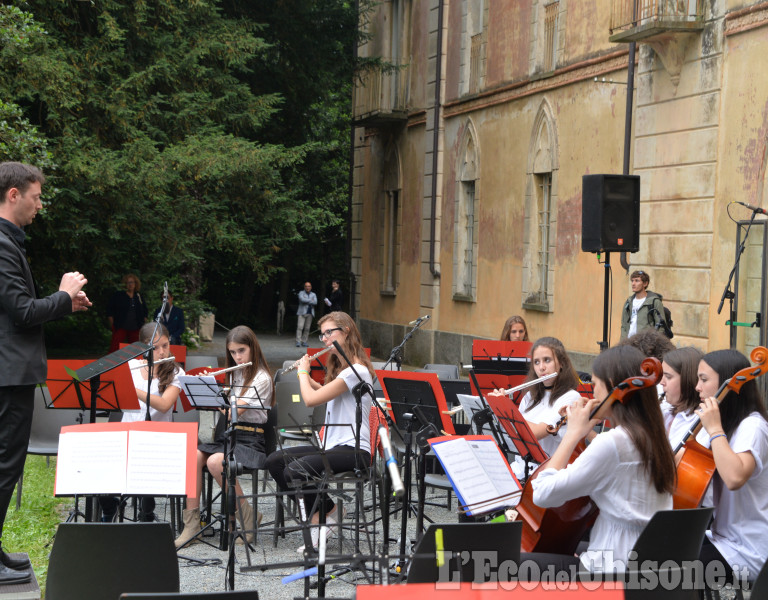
(157, 362)
(228, 369)
(528, 384)
(314, 356)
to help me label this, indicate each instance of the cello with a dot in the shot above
(697, 465)
(560, 529)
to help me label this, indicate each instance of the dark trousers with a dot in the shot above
(16, 407)
(293, 467)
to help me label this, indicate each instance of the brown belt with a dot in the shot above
(252, 429)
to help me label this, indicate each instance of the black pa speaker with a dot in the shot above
(610, 213)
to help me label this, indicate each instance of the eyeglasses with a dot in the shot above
(327, 333)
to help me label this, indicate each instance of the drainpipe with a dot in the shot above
(436, 139)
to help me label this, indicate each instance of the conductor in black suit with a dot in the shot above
(23, 362)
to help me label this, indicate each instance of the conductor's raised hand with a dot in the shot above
(80, 302)
(72, 283)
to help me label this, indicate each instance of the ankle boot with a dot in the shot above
(191, 519)
(247, 523)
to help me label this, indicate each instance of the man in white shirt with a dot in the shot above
(643, 309)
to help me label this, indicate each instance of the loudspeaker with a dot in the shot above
(610, 213)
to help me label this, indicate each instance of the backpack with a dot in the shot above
(664, 324)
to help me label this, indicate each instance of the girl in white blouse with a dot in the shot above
(736, 431)
(253, 388)
(292, 467)
(629, 471)
(679, 381)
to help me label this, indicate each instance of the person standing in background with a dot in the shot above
(643, 309)
(173, 319)
(336, 298)
(126, 312)
(23, 361)
(305, 313)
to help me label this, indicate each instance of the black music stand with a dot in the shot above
(93, 371)
(413, 401)
(212, 395)
(517, 429)
(459, 545)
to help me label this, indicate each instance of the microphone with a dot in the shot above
(756, 209)
(341, 352)
(419, 320)
(394, 473)
(165, 292)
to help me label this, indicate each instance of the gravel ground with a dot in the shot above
(211, 575)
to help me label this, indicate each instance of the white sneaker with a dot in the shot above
(330, 519)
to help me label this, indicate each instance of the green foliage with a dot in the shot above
(191, 140)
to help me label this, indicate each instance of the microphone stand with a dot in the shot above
(148, 355)
(359, 390)
(396, 355)
(727, 292)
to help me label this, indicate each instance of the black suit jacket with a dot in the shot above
(22, 348)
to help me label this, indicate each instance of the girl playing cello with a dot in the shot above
(737, 434)
(629, 471)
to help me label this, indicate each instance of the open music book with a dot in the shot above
(478, 472)
(144, 457)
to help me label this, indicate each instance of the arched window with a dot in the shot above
(465, 237)
(391, 221)
(540, 213)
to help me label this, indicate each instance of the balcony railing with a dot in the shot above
(633, 20)
(381, 97)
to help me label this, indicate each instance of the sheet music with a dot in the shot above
(473, 404)
(202, 390)
(156, 463)
(487, 453)
(477, 472)
(91, 462)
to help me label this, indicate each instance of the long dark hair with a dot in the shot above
(508, 326)
(639, 414)
(735, 407)
(566, 379)
(353, 346)
(164, 372)
(244, 335)
(685, 362)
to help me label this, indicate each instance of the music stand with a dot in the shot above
(112, 391)
(415, 397)
(517, 429)
(507, 357)
(497, 364)
(446, 545)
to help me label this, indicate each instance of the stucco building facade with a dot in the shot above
(469, 157)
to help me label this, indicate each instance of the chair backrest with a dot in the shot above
(452, 387)
(674, 535)
(760, 586)
(270, 430)
(47, 424)
(376, 418)
(195, 361)
(503, 539)
(292, 411)
(190, 416)
(100, 561)
(444, 371)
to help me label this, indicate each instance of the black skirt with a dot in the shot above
(250, 449)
